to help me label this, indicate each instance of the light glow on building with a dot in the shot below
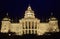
(29, 25)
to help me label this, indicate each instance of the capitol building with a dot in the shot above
(29, 25)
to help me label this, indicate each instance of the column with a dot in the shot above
(34, 28)
(31, 31)
(24, 27)
(31, 27)
(25, 31)
(27, 27)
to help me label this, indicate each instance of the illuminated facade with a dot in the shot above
(29, 25)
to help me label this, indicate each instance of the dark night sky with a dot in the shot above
(42, 8)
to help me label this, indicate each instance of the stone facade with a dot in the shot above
(29, 25)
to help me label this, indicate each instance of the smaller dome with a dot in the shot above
(6, 19)
(52, 18)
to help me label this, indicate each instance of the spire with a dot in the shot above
(51, 13)
(7, 14)
(52, 17)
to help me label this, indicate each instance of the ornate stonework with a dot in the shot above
(29, 25)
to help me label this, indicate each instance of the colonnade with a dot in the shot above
(29, 27)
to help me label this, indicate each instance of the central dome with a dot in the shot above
(29, 13)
